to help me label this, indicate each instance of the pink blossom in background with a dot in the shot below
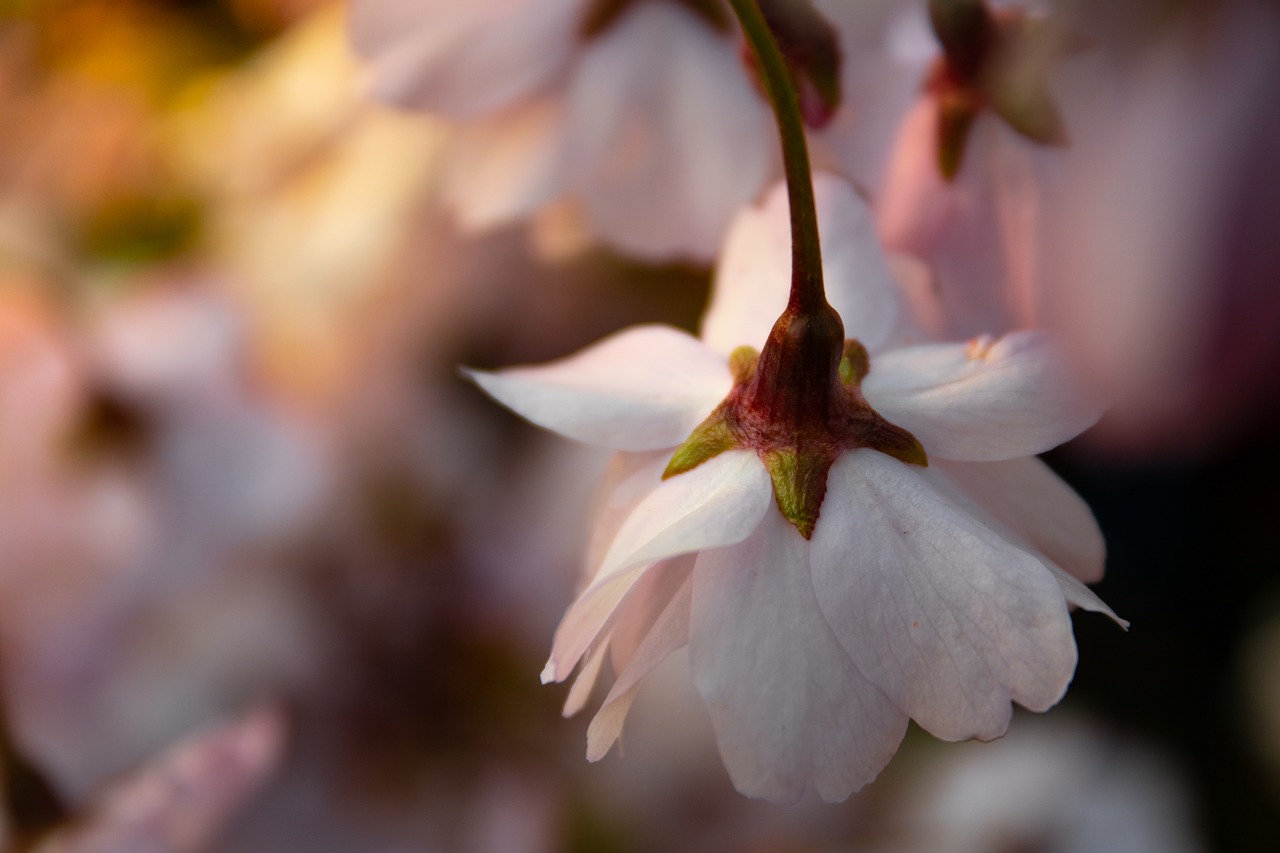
(981, 233)
(812, 654)
(1165, 259)
(179, 801)
(982, 230)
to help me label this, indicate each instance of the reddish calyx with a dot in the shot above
(798, 404)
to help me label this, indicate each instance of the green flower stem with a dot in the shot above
(807, 292)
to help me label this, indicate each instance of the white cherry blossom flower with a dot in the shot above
(938, 593)
(642, 113)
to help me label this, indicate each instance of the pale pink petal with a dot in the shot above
(1079, 595)
(180, 799)
(643, 388)
(642, 609)
(915, 205)
(606, 726)
(879, 80)
(627, 480)
(936, 608)
(667, 632)
(671, 137)
(1035, 504)
(1033, 509)
(716, 504)
(585, 683)
(463, 60)
(754, 276)
(927, 320)
(981, 401)
(982, 231)
(791, 710)
(584, 623)
(505, 166)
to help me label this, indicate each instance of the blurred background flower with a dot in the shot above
(238, 469)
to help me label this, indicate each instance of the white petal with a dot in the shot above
(754, 276)
(639, 614)
(627, 480)
(644, 388)
(584, 621)
(1033, 509)
(981, 401)
(606, 726)
(503, 167)
(585, 683)
(667, 631)
(791, 711)
(718, 503)
(671, 137)
(1035, 504)
(715, 504)
(940, 611)
(463, 60)
(1081, 596)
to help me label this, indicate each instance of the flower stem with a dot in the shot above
(807, 292)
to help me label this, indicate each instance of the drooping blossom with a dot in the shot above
(643, 113)
(935, 592)
(974, 167)
(1165, 262)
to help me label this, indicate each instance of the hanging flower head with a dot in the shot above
(845, 533)
(973, 170)
(890, 551)
(641, 111)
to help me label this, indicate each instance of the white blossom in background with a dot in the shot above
(1063, 783)
(642, 112)
(936, 593)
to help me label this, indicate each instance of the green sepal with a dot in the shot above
(854, 363)
(1017, 82)
(708, 440)
(799, 485)
(893, 440)
(742, 364)
(1021, 97)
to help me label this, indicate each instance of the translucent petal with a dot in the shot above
(463, 60)
(791, 710)
(1034, 503)
(937, 609)
(754, 276)
(644, 388)
(716, 504)
(655, 99)
(981, 401)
